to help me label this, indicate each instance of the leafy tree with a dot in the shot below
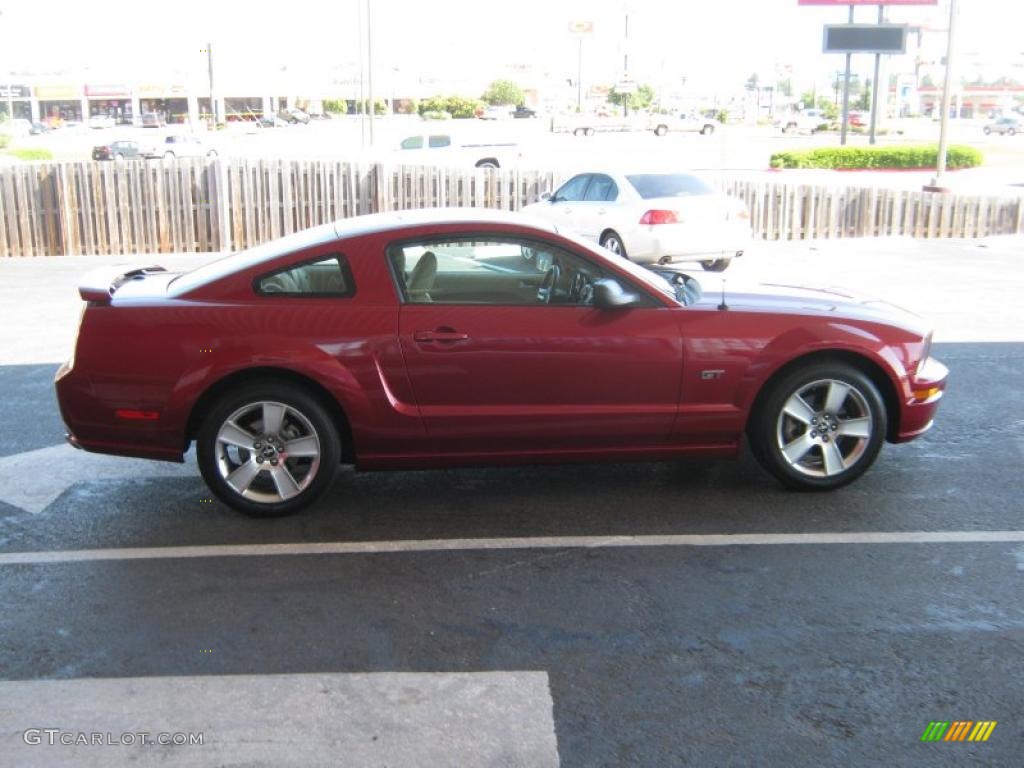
(639, 99)
(503, 92)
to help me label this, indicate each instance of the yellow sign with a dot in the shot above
(58, 91)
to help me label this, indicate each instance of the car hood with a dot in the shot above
(797, 299)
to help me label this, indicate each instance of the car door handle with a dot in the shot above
(441, 334)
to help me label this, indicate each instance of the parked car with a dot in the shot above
(273, 121)
(523, 111)
(1007, 126)
(651, 218)
(17, 126)
(102, 121)
(37, 129)
(437, 338)
(293, 115)
(178, 145)
(498, 112)
(805, 121)
(122, 149)
(478, 150)
(684, 121)
(152, 120)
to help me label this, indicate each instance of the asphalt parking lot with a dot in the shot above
(589, 615)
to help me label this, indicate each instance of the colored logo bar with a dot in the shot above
(958, 730)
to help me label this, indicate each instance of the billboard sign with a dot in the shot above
(581, 27)
(865, 38)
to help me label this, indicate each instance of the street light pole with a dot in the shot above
(369, 67)
(209, 72)
(579, 76)
(947, 93)
(846, 95)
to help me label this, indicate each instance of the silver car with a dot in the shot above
(1004, 126)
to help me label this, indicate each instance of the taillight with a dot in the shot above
(660, 217)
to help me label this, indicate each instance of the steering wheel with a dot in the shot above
(548, 284)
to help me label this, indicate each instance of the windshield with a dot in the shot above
(650, 185)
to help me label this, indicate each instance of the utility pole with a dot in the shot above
(10, 88)
(209, 71)
(369, 67)
(947, 92)
(875, 84)
(625, 64)
(846, 94)
(579, 76)
(361, 104)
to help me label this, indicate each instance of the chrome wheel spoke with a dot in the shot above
(241, 478)
(284, 482)
(855, 428)
(798, 408)
(798, 448)
(273, 418)
(833, 457)
(232, 434)
(307, 446)
(837, 392)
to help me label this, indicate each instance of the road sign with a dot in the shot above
(627, 86)
(865, 38)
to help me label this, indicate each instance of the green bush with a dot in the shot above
(923, 156)
(335, 106)
(30, 153)
(435, 114)
(5, 139)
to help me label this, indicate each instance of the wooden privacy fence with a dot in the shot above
(155, 207)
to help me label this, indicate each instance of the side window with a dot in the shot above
(440, 141)
(602, 188)
(413, 142)
(327, 276)
(573, 189)
(493, 271)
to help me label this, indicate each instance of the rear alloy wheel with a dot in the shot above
(268, 449)
(820, 427)
(716, 265)
(612, 242)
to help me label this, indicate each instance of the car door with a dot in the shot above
(563, 206)
(507, 354)
(597, 208)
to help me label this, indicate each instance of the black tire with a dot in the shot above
(579, 132)
(588, 132)
(986, 130)
(169, 156)
(212, 154)
(489, 163)
(1011, 131)
(119, 157)
(216, 458)
(613, 243)
(707, 130)
(716, 265)
(771, 426)
(661, 130)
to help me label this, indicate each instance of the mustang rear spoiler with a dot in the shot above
(99, 285)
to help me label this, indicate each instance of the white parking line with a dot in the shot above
(363, 719)
(539, 542)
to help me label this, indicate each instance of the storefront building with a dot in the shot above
(19, 98)
(60, 103)
(113, 101)
(171, 102)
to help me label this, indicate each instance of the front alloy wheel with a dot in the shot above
(268, 450)
(820, 427)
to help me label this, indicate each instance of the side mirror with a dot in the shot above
(609, 294)
(547, 197)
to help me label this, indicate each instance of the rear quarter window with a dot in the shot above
(325, 277)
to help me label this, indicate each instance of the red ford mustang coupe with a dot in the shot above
(436, 338)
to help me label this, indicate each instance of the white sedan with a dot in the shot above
(651, 218)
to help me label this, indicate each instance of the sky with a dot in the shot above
(714, 44)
